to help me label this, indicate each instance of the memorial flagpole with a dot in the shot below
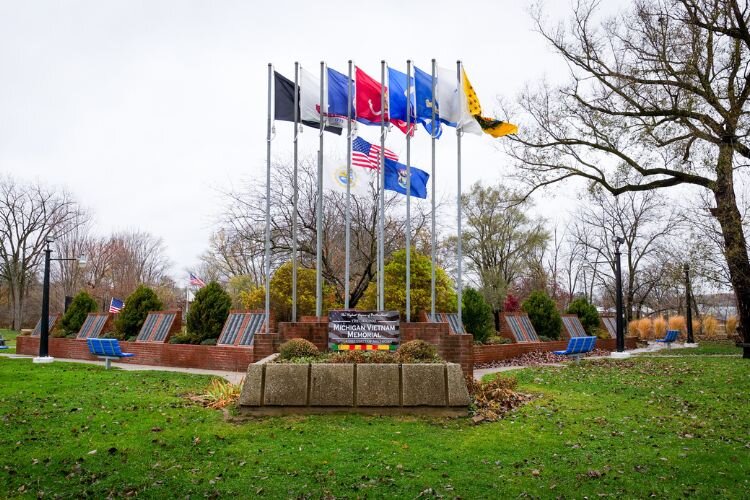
(348, 185)
(433, 237)
(267, 253)
(381, 181)
(408, 191)
(459, 249)
(295, 199)
(319, 207)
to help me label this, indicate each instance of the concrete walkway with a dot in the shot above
(233, 377)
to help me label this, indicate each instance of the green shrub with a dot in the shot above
(543, 314)
(587, 314)
(182, 338)
(208, 312)
(209, 342)
(80, 307)
(130, 320)
(297, 348)
(544, 338)
(417, 351)
(477, 315)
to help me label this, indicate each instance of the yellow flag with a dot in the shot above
(495, 128)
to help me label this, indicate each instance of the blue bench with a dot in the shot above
(578, 346)
(107, 349)
(670, 337)
(2, 343)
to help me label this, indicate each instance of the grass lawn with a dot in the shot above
(715, 347)
(10, 340)
(668, 427)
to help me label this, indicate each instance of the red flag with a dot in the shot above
(369, 98)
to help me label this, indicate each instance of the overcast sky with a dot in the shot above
(147, 110)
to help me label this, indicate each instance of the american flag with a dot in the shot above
(116, 305)
(367, 155)
(196, 281)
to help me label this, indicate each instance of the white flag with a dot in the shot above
(309, 100)
(454, 107)
(334, 177)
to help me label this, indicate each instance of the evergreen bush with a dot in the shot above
(587, 314)
(476, 315)
(543, 314)
(298, 348)
(208, 312)
(76, 314)
(137, 306)
(417, 351)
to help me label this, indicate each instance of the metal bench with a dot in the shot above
(671, 336)
(107, 349)
(578, 346)
(2, 343)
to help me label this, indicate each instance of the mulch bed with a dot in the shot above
(535, 358)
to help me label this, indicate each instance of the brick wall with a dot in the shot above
(228, 358)
(489, 353)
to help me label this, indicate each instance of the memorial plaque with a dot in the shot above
(363, 330)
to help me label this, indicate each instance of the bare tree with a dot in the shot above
(659, 93)
(244, 222)
(29, 215)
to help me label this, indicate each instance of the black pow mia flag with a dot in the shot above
(284, 103)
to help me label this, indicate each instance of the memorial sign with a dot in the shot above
(363, 330)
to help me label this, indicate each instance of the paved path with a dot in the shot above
(233, 377)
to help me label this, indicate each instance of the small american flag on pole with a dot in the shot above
(196, 281)
(116, 305)
(367, 155)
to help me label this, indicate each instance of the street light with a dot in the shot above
(617, 241)
(44, 356)
(688, 293)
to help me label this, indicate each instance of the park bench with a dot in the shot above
(107, 349)
(2, 343)
(671, 336)
(578, 346)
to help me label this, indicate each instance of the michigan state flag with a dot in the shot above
(395, 179)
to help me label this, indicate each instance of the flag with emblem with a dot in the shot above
(426, 102)
(397, 101)
(369, 98)
(335, 179)
(284, 103)
(495, 128)
(396, 175)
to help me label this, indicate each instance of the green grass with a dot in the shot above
(666, 427)
(10, 340)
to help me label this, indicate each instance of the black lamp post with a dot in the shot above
(688, 293)
(44, 356)
(618, 240)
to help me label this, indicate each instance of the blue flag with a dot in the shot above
(425, 102)
(337, 94)
(397, 100)
(395, 179)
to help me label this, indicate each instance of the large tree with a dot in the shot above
(500, 241)
(658, 97)
(30, 215)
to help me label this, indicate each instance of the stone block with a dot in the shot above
(286, 385)
(424, 385)
(252, 388)
(332, 385)
(458, 394)
(377, 385)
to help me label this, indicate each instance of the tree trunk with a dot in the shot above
(735, 246)
(16, 301)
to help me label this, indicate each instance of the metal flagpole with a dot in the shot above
(459, 250)
(408, 191)
(433, 238)
(381, 180)
(268, 205)
(348, 183)
(319, 208)
(295, 187)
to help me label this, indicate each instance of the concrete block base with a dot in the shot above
(620, 355)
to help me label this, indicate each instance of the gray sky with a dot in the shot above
(146, 110)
